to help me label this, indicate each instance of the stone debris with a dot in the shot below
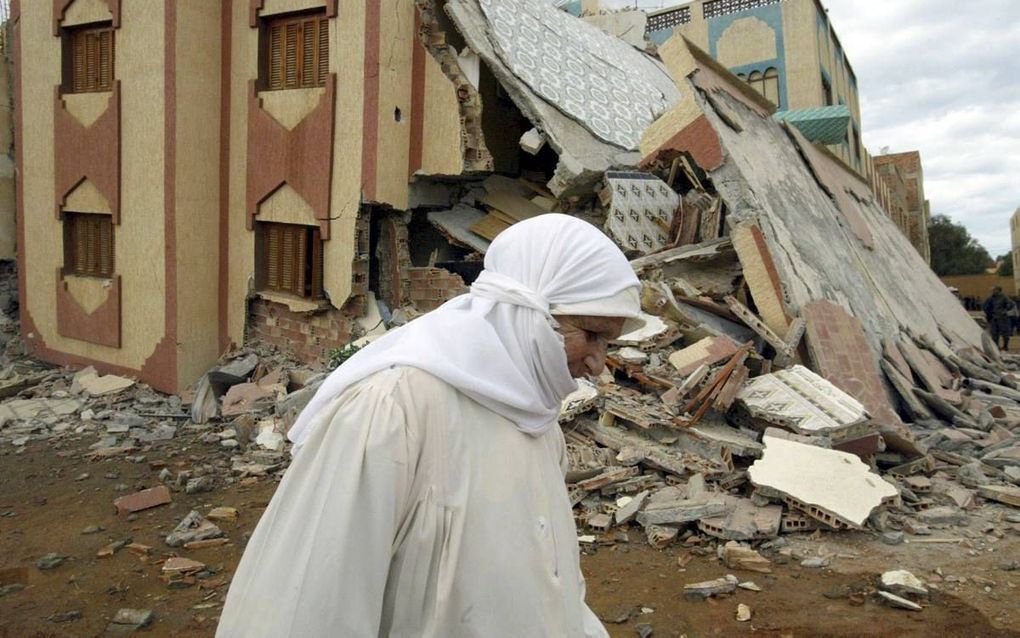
(194, 527)
(743, 613)
(707, 589)
(900, 603)
(903, 583)
(95, 384)
(143, 500)
(50, 561)
(128, 620)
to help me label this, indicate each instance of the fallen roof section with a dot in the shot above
(588, 93)
(826, 236)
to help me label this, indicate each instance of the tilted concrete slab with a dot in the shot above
(834, 487)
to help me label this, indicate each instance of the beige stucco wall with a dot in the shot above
(441, 148)
(396, 38)
(746, 39)
(84, 12)
(8, 229)
(139, 239)
(197, 209)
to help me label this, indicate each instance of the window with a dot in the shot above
(289, 259)
(88, 244)
(88, 59)
(755, 79)
(826, 91)
(770, 85)
(295, 52)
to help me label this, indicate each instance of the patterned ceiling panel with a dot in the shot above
(596, 79)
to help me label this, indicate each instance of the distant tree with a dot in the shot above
(1005, 265)
(953, 250)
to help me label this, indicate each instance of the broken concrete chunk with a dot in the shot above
(532, 141)
(902, 582)
(88, 380)
(1000, 493)
(626, 512)
(738, 556)
(708, 351)
(682, 512)
(802, 401)
(143, 500)
(745, 522)
(943, 515)
(710, 588)
(743, 613)
(242, 398)
(660, 537)
(50, 561)
(132, 618)
(834, 487)
(900, 603)
(192, 528)
(579, 401)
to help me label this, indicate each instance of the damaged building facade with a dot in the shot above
(295, 171)
(309, 173)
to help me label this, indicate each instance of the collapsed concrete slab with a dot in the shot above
(834, 487)
(589, 94)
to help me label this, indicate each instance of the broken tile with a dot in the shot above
(708, 351)
(802, 401)
(142, 500)
(192, 528)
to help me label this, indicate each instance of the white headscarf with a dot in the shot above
(498, 344)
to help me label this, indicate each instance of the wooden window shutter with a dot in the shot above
(78, 62)
(323, 52)
(287, 259)
(106, 246)
(105, 71)
(273, 257)
(291, 45)
(301, 260)
(80, 243)
(316, 283)
(276, 56)
(309, 40)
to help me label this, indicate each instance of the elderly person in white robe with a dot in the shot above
(426, 494)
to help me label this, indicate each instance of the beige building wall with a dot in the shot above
(7, 208)
(139, 239)
(196, 186)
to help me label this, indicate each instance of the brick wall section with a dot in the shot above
(394, 261)
(841, 354)
(309, 336)
(431, 287)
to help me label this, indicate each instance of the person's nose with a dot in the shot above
(596, 359)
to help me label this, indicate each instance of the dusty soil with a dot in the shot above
(46, 502)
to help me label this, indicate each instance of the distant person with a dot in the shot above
(998, 309)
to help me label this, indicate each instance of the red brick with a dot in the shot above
(143, 500)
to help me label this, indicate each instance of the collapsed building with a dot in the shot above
(306, 175)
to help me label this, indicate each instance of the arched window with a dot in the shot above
(770, 86)
(755, 79)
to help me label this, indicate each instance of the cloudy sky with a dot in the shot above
(942, 77)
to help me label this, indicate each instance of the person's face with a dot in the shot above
(585, 340)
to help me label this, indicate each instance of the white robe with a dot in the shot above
(415, 512)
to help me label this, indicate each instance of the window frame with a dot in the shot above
(99, 256)
(271, 79)
(305, 267)
(103, 76)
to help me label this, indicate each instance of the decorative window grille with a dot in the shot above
(717, 8)
(669, 19)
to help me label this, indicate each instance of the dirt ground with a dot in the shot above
(47, 501)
